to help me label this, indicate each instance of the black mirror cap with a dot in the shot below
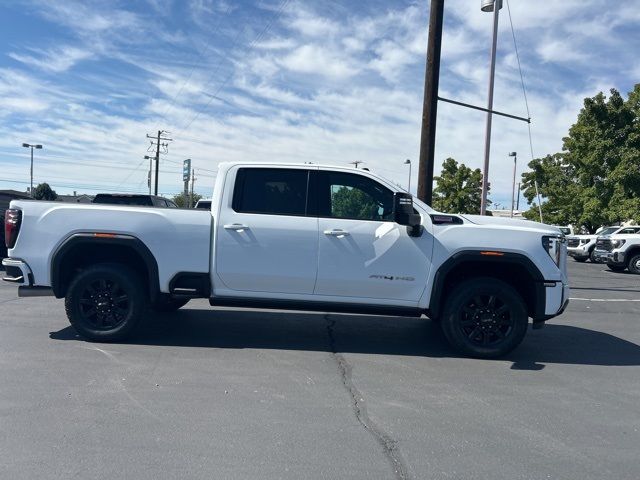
(404, 214)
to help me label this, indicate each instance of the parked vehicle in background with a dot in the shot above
(133, 199)
(565, 229)
(582, 247)
(203, 204)
(622, 251)
(295, 237)
(609, 248)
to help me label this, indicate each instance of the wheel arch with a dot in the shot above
(83, 249)
(515, 269)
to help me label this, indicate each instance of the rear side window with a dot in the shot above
(272, 191)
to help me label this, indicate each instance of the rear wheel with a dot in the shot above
(105, 302)
(485, 318)
(615, 268)
(634, 264)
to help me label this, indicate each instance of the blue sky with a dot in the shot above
(285, 80)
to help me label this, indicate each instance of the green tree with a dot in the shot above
(348, 202)
(595, 179)
(183, 202)
(458, 188)
(44, 192)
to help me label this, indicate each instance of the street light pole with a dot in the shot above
(36, 146)
(489, 6)
(513, 187)
(408, 162)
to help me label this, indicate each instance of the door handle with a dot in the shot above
(336, 233)
(238, 227)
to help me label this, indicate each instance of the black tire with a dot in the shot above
(592, 256)
(580, 259)
(616, 268)
(484, 318)
(105, 302)
(168, 304)
(634, 264)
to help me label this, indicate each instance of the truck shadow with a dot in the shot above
(233, 329)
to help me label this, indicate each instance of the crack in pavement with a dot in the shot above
(389, 445)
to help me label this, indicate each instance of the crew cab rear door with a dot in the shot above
(363, 254)
(266, 235)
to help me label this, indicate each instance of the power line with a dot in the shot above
(524, 90)
(200, 56)
(259, 37)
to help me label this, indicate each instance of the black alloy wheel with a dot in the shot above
(105, 302)
(486, 320)
(484, 317)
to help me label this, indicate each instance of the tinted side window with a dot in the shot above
(275, 191)
(346, 195)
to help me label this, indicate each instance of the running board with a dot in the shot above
(304, 305)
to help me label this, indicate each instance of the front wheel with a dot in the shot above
(105, 302)
(484, 318)
(580, 259)
(634, 264)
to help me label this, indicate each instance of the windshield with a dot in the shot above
(608, 230)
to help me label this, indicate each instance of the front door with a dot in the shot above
(266, 241)
(363, 253)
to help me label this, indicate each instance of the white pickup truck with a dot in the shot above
(299, 237)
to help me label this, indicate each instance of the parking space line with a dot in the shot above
(607, 299)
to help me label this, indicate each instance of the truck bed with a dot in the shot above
(179, 239)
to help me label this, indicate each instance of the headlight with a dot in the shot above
(584, 241)
(618, 243)
(553, 246)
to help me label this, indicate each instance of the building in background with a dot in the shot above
(75, 198)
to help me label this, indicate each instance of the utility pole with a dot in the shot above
(158, 143)
(518, 203)
(430, 103)
(488, 6)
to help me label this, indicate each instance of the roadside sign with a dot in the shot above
(186, 169)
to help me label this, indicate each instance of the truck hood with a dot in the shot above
(512, 223)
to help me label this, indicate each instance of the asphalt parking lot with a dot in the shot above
(252, 394)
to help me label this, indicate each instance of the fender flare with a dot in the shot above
(475, 256)
(97, 238)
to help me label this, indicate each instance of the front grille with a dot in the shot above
(604, 244)
(573, 242)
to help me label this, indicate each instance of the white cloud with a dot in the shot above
(314, 59)
(559, 51)
(55, 60)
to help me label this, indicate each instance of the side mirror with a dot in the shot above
(403, 214)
